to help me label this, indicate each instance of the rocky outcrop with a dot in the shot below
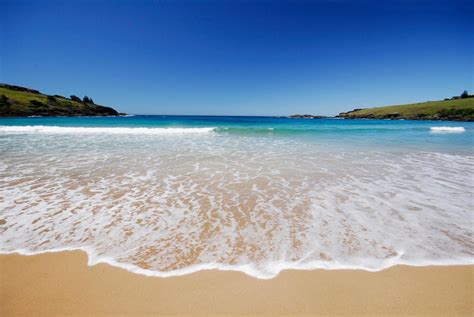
(446, 115)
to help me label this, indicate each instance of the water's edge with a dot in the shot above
(248, 269)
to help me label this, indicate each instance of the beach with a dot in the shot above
(235, 216)
(236, 158)
(62, 284)
(169, 196)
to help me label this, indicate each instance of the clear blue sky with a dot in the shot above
(239, 57)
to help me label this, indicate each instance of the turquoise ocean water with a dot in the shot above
(170, 195)
(383, 133)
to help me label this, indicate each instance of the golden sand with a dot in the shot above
(63, 284)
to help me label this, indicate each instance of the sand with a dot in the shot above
(63, 284)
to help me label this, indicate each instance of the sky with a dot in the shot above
(239, 57)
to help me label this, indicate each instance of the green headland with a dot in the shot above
(16, 101)
(453, 109)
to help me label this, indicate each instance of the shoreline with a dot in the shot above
(55, 284)
(248, 270)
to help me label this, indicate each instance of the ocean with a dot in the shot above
(172, 195)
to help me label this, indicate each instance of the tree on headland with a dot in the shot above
(75, 98)
(51, 99)
(464, 95)
(87, 100)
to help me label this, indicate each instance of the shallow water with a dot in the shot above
(172, 195)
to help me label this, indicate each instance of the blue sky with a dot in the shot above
(239, 57)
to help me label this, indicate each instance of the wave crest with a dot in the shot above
(447, 129)
(109, 130)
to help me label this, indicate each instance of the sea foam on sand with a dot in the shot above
(164, 206)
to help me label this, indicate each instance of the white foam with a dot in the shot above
(271, 270)
(447, 129)
(179, 205)
(109, 130)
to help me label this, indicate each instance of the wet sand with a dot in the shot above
(63, 284)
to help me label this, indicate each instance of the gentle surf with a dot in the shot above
(171, 195)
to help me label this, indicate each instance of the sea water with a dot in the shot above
(170, 195)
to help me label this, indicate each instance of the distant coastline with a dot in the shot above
(17, 101)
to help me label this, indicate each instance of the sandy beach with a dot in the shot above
(63, 284)
(236, 158)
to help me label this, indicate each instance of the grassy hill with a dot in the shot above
(16, 101)
(460, 109)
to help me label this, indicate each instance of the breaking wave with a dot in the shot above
(447, 129)
(108, 130)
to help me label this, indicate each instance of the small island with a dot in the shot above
(305, 116)
(457, 108)
(17, 101)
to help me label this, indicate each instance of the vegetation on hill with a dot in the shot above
(454, 109)
(16, 101)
